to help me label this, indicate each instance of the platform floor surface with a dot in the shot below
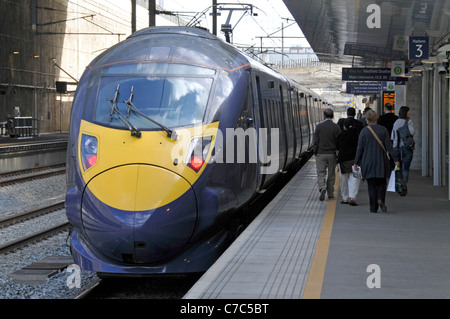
(6, 140)
(300, 247)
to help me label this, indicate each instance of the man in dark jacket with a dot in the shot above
(351, 112)
(325, 144)
(388, 118)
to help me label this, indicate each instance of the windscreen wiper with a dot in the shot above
(170, 133)
(115, 110)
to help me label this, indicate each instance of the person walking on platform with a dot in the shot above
(388, 118)
(371, 155)
(357, 125)
(347, 144)
(403, 141)
(363, 118)
(325, 146)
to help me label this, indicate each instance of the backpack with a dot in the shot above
(407, 139)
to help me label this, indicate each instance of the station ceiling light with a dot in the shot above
(418, 68)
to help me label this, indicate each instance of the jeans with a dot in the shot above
(406, 156)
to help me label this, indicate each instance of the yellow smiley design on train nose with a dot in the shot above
(139, 174)
(138, 187)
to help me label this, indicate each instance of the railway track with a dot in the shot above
(31, 174)
(38, 235)
(31, 214)
(17, 244)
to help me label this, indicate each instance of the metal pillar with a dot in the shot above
(448, 154)
(214, 15)
(425, 111)
(443, 126)
(437, 129)
(133, 16)
(151, 13)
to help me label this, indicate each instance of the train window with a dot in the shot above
(260, 103)
(269, 122)
(266, 114)
(137, 68)
(276, 108)
(157, 68)
(171, 101)
(159, 52)
(279, 114)
(189, 69)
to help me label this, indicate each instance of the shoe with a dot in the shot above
(322, 194)
(374, 211)
(331, 197)
(383, 206)
(352, 202)
(344, 202)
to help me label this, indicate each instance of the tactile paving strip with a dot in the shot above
(272, 257)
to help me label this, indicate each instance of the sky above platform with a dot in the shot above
(247, 28)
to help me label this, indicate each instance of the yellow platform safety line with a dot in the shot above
(313, 288)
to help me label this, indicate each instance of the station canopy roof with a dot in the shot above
(339, 32)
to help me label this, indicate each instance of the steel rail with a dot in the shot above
(11, 246)
(31, 177)
(32, 213)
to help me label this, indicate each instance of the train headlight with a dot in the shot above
(198, 151)
(88, 151)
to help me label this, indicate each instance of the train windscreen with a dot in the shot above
(171, 95)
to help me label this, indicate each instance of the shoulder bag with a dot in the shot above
(391, 161)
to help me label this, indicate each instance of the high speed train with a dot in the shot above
(173, 133)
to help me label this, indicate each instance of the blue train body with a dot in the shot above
(167, 146)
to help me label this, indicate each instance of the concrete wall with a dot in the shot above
(70, 33)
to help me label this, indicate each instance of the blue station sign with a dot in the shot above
(368, 74)
(419, 48)
(361, 88)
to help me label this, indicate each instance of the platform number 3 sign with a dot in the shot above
(419, 48)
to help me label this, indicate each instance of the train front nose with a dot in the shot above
(139, 213)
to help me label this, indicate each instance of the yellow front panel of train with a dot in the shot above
(140, 173)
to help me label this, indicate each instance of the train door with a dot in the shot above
(296, 122)
(268, 109)
(303, 119)
(301, 126)
(316, 111)
(258, 124)
(311, 121)
(285, 126)
(248, 168)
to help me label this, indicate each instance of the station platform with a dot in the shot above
(19, 154)
(301, 248)
(6, 140)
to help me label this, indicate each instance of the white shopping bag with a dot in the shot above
(356, 171)
(391, 185)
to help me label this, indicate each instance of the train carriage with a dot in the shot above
(173, 132)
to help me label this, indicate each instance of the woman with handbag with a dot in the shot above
(373, 156)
